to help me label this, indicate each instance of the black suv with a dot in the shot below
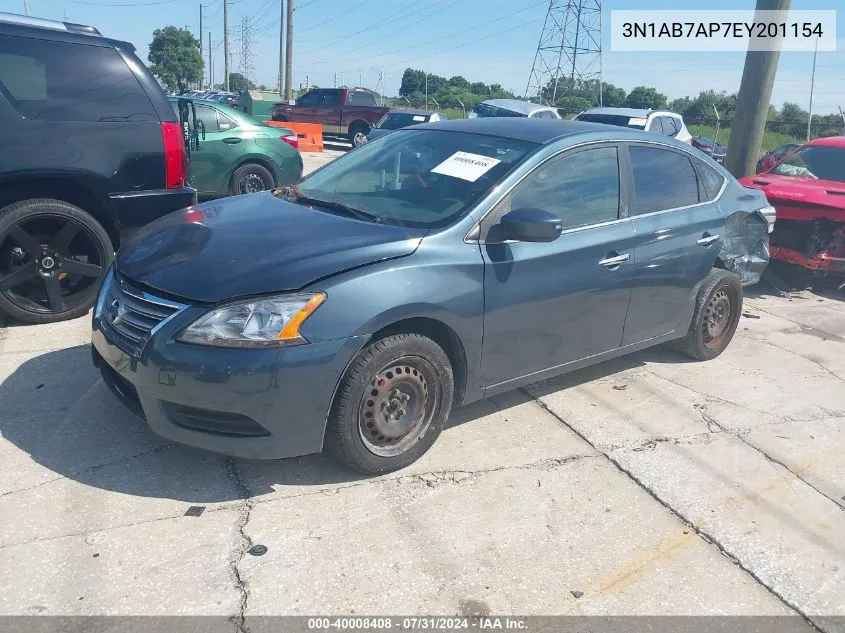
(92, 150)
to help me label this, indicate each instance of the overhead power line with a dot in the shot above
(439, 39)
(445, 50)
(386, 22)
(124, 4)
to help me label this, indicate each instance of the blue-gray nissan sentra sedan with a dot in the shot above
(427, 269)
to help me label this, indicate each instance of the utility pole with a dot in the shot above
(226, 45)
(842, 114)
(289, 53)
(281, 47)
(752, 104)
(335, 80)
(210, 67)
(25, 7)
(812, 87)
(426, 88)
(201, 48)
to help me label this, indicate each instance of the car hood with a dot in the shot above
(254, 244)
(790, 195)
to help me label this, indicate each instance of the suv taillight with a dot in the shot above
(291, 140)
(175, 156)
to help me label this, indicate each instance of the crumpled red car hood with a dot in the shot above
(798, 198)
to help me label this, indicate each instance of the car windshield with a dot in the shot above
(398, 120)
(814, 161)
(613, 119)
(416, 178)
(485, 110)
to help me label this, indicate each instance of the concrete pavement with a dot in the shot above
(649, 485)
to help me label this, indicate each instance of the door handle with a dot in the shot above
(707, 240)
(232, 140)
(616, 260)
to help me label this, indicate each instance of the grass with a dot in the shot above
(771, 140)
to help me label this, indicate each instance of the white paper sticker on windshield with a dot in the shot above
(418, 117)
(636, 121)
(466, 166)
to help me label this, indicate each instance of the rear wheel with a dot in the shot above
(391, 404)
(717, 311)
(251, 178)
(53, 256)
(358, 134)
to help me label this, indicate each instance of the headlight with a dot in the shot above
(268, 322)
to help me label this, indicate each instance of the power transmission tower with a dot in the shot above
(245, 65)
(569, 52)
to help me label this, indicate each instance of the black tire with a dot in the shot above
(419, 370)
(358, 134)
(718, 308)
(38, 232)
(251, 178)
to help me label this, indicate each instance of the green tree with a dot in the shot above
(412, 81)
(613, 96)
(645, 97)
(175, 57)
(238, 83)
(792, 112)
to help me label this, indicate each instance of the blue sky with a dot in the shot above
(484, 40)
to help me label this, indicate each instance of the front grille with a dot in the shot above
(130, 314)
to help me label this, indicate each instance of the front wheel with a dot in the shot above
(718, 308)
(391, 404)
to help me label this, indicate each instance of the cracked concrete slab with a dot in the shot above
(765, 517)
(502, 432)
(170, 567)
(515, 540)
(511, 511)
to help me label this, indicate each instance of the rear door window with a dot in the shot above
(208, 116)
(663, 179)
(58, 81)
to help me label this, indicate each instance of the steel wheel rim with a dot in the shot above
(397, 407)
(359, 138)
(718, 316)
(49, 264)
(251, 183)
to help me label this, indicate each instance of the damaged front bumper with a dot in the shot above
(817, 245)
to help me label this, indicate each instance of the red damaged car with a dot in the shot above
(807, 188)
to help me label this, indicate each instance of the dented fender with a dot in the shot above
(745, 247)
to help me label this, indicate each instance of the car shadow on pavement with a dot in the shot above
(57, 410)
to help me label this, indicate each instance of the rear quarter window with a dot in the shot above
(711, 180)
(663, 179)
(58, 81)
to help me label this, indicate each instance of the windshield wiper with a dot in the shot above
(339, 206)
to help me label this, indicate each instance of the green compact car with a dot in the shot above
(235, 153)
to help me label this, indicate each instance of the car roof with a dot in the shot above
(631, 113)
(538, 131)
(409, 111)
(516, 105)
(829, 141)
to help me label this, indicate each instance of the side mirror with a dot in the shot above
(530, 225)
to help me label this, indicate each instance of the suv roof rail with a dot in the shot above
(25, 20)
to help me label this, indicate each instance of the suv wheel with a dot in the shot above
(53, 256)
